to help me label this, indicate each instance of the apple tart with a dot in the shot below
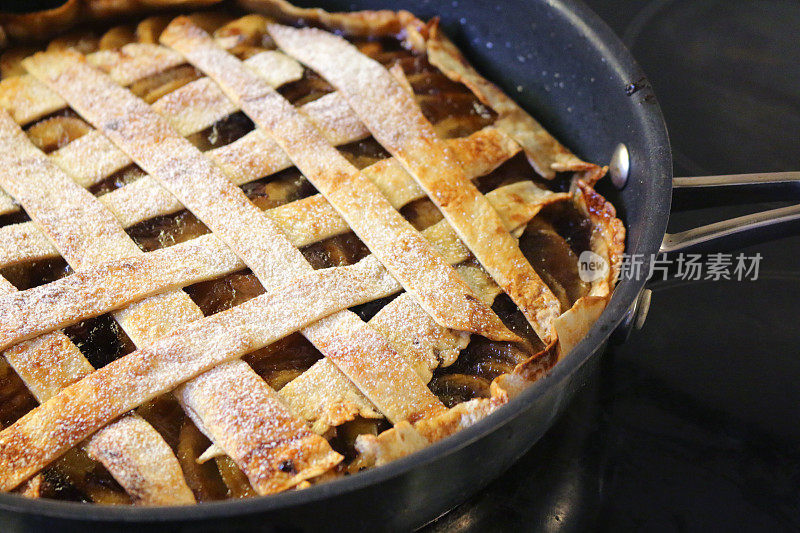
(249, 248)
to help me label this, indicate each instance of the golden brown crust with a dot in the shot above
(404, 252)
(357, 23)
(545, 153)
(33, 488)
(608, 237)
(42, 25)
(386, 108)
(111, 286)
(272, 434)
(86, 406)
(131, 450)
(573, 325)
(87, 234)
(325, 397)
(361, 353)
(405, 438)
(303, 222)
(150, 478)
(389, 176)
(508, 386)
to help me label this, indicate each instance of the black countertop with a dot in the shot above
(693, 423)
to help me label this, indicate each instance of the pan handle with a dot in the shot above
(620, 166)
(684, 239)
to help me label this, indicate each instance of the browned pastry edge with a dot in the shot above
(46, 24)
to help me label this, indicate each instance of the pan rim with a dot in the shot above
(600, 36)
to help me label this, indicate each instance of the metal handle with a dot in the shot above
(619, 169)
(735, 180)
(684, 239)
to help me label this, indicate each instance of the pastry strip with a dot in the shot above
(111, 286)
(7, 204)
(544, 152)
(24, 242)
(50, 363)
(252, 399)
(410, 329)
(608, 239)
(134, 279)
(86, 235)
(423, 342)
(134, 61)
(114, 284)
(330, 405)
(27, 99)
(86, 406)
(404, 439)
(23, 94)
(359, 352)
(200, 103)
(255, 155)
(92, 157)
(400, 248)
(324, 396)
(396, 121)
(141, 461)
(303, 222)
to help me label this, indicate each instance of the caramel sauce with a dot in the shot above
(223, 132)
(307, 89)
(116, 180)
(100, 339)
(167, 230)
(15, 400)
(281, 188)
(30, 275)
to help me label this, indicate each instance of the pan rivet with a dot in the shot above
(620, 166)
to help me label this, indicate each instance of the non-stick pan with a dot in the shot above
(561, 62)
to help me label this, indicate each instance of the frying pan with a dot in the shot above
(561, 62)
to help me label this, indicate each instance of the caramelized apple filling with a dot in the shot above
(551, 242)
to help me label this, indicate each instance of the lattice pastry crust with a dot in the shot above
(413, 231)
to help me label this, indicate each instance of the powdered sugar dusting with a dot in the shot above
(397, 122)
(304, 221)
(242, 421)
(401, 249)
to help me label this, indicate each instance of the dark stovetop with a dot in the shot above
(693, 423)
